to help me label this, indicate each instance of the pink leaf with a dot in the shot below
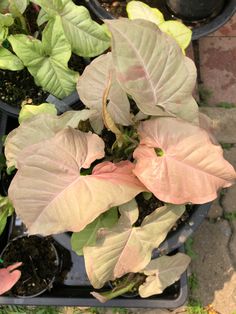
(51, 196)
(191, 168)
(8, 277)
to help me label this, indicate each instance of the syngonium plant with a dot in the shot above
(71, 177)
(69, 28)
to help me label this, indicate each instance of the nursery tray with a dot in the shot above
(74, 289)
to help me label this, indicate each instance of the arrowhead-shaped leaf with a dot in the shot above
(162, 272)
(91, 86)
(50, 195)
(87, 237)
(87, 38)
(127, 249)
(9, 61)
(39, 128)
(47, 60)
(189, 169)
(151, 67)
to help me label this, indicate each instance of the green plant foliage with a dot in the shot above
(195, 307)
(8, 61)
(47, 60)
(204, 95)
(225, 105)
(226, 145)
(189, 248)
(13, 309)
(6, 210)
(230, 216)
(87, 237)
(87, 38)
(193, 282)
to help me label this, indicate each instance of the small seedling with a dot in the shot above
(204, 95)
(193, 282)
(195, 307)
(226, 146)
(120, 310)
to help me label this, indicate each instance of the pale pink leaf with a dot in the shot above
(191, 168)
(162, 272)
(50, 195)
(8, 277)
(151, 67)
(91, 86)
(39, 128)
(127, 249)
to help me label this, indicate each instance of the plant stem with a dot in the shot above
(23, 23)
(115, 293)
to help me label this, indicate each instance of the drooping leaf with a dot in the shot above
(9, 61)
(151, 67)
(127, 249)
(8, 277)
(190, 168)
(39, 128)
(87, 237)
(140, 10)
(47, 60)
(6, 210)
(54, 197)
(28, 111)
(87, 38)
(162, 272)
(91, 86)
(181, 33)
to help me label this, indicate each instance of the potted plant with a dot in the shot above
(203, 17)
(140, 138)
(36, 46)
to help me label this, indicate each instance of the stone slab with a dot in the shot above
(229, 29)
(224, 121)
(232, 246)
(218, 67)
(216, 211)
(213, 267)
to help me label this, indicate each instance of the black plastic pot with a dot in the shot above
(43, 247)
(193, 10)
(72, 287)
(212, 16)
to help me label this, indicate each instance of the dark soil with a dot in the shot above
(18, 86)
(39, 264)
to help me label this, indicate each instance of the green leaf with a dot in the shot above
(87, 237)
(6, 210)
(140, 10)
(8, 61)
(18, 7)
(87, 38)
(29, 111)
(3, 5)
(6, 19)
(47, 60)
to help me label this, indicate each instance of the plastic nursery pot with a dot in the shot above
(193, 10)
(220, 13)
(40, 264)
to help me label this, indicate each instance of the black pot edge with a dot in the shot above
(9, 110)
(198, 32)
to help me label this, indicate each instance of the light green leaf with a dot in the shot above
(8, 61)
(181, 33)
(47, 60)
(6, 210)
(140, 10)
(3, 6)
(162, 272)
(6, 19)
(125, 249)
(18, 7)
(29, 111)
(87, 38)
(42, 18)
(87, 237)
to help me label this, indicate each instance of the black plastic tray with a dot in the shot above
(75, 289)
